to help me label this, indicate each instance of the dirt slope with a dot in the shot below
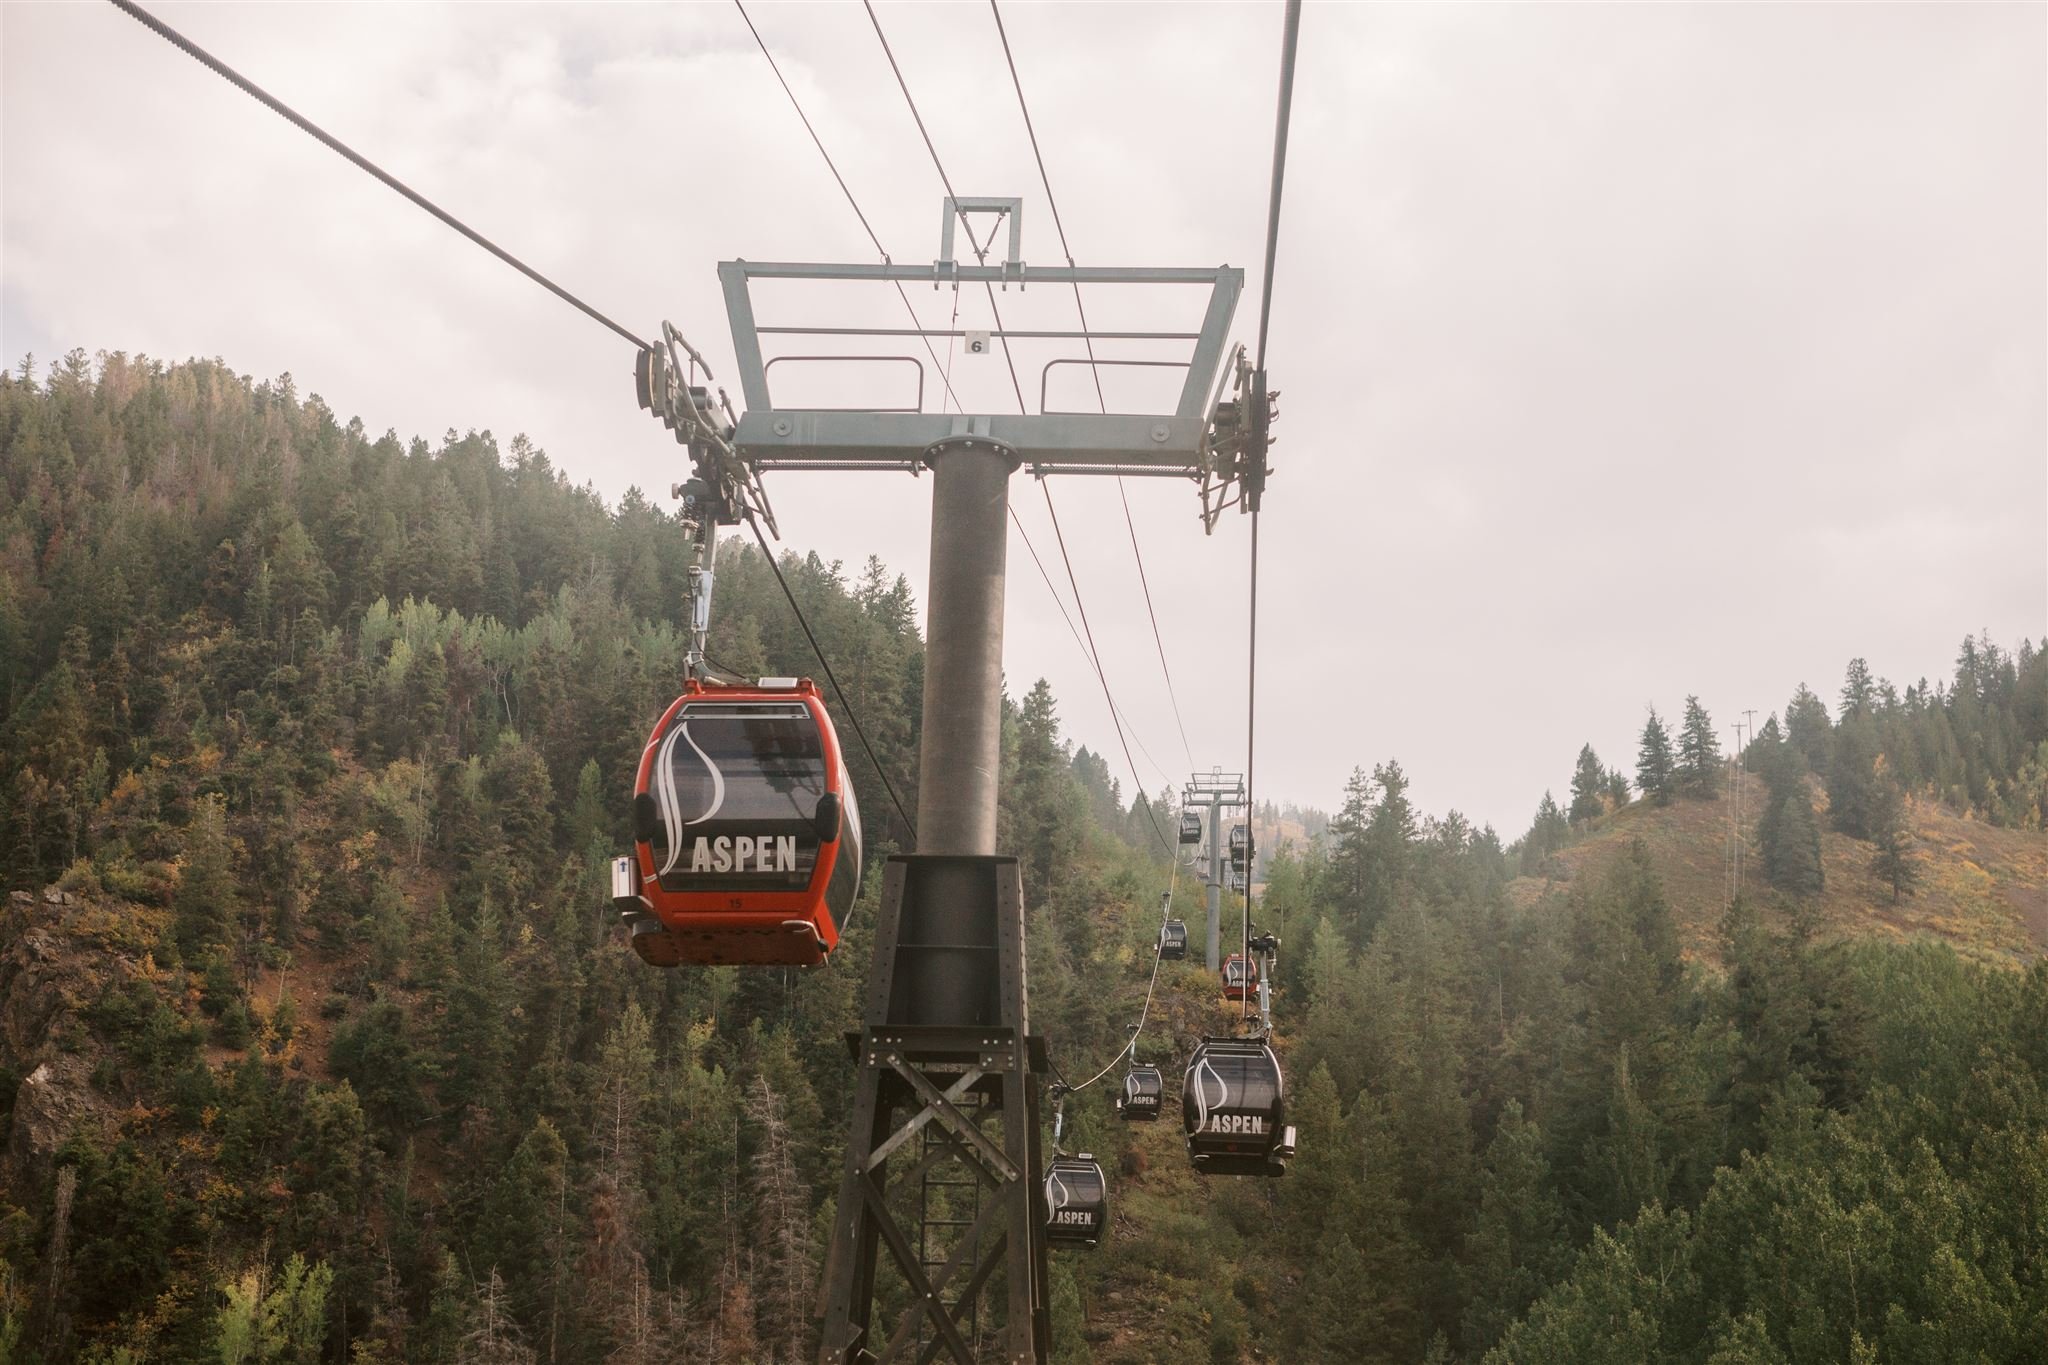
(1982, 888)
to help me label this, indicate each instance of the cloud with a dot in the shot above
(1626, 351)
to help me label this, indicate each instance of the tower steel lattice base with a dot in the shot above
(945, 1057)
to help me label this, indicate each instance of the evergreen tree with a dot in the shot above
(1892, 832)
(204, 909)
(475, 1038)
(521, 1233)
(1790, 839)
(1388, 836)
(1653, 761)
(1852, 778)
(1548, 833)
(1807, 728)
(1515, 1248)
(1589, 787)
(1699, 753)
(785, 1273)
(1859, 692)
(1350, 857)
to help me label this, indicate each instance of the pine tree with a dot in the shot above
(1617, 788)
(1514, 1250)
(1350, 855)
(1892, 832)
(1337, 1319)
(1852, 778)
(1589, 787)
(786, 1269)
(1807, 728)
(1790, 839)
(1548, 833)
(475, 1037)
(1653, 761)
(520, 1236)
(204, 905)
(1699, 753)
(1389, 837)
(1858, 690)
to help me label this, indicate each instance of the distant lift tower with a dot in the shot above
(1219, 792)
(940, 1186)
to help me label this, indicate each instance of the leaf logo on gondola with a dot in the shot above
(1205, 1073)
(671, 803)
(1055, 1191)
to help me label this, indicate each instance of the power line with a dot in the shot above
(946, 371)
(852, 715)
(284, 111)
(1102, 402)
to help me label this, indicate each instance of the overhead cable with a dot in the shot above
(946, 371)
(1059, 226)
(852, 715)
(1130, 1047)
(290, 115)
(1289, 39)
(1103, 678)
(980, 252)
(1075, 631)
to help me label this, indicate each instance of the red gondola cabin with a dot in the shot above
(747, 840)
(1240, 977)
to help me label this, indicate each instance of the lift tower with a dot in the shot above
(946, 1057)
(1220, 792)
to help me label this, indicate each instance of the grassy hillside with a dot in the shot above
(1981, 888)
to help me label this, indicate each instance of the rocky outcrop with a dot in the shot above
(48, 977)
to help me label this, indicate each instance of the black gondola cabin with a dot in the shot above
(1144, 1092)
(1173, 941)
(747, 837)
(1240, 977)
(1076, 1202)
(1233, 1109)
(1190, 827)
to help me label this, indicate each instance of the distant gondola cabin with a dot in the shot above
(1143, 1093)
(1076, 1202)
(747, 837)
(1173, 941)
(1240, 977)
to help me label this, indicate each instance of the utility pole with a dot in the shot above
(932, 1193)
(1220, 792)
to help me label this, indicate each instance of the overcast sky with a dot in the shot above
(1628, 350)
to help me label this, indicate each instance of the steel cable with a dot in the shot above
(1059, 226)
(292, 116)
(852, 715)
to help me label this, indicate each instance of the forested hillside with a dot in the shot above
(318, 1041)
